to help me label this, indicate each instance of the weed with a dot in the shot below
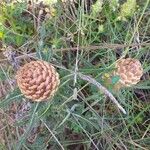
(83, 39)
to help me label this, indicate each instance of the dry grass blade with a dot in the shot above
(103, 89)
(53, 135)
(86, 48)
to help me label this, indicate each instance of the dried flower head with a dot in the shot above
(129, 70)
(38, 80)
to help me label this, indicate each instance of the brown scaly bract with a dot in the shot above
(38, 80)
(130, 71)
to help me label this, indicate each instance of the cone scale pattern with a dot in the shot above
(129, 70)
(38, 80)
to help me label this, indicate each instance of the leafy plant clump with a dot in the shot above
(83, 40)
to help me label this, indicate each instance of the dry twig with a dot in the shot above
(103, 89)
(86, 48)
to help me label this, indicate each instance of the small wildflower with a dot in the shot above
(50, 2)
(127, 9)
(101, 28)
(97, 7)
(114, 4)
(47, 10)
(106, 75)
(53, 12)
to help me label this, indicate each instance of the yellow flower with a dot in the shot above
(53, 12)
(106, 75)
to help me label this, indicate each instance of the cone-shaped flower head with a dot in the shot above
(129, 70)
(38, 80)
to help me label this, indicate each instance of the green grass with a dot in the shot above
(79, 115)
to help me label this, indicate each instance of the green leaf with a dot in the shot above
(147, 69)
(1, 34)
(47, 54)
(115, 79)
(2, 76)
(75, 127)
